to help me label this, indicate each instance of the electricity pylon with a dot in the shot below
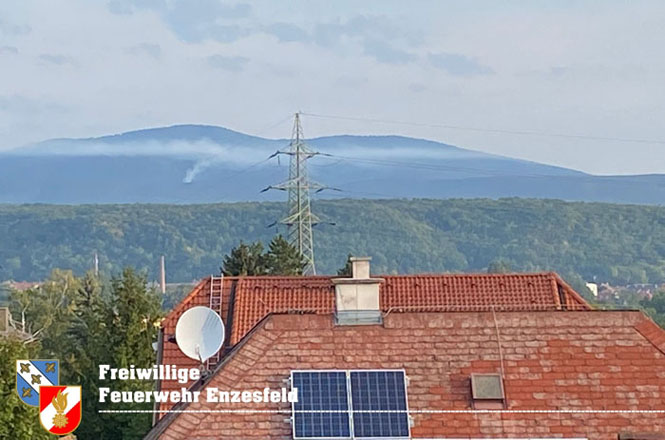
(299, 219)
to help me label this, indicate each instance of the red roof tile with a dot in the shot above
(256, 297)
(653, 333)
(580, 374)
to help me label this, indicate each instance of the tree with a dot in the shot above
(245, 260)
(88, 336)
(249, 259)
(83, 323)
(133, 315)
(284, 258)
(347, 270)
(17, 420)
(499, 266)
(46, 311)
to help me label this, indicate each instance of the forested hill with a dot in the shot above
(617, 243)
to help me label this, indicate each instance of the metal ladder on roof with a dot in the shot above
(216, 291)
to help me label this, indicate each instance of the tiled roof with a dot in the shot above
(256, 297)
(470, 292)
(579, 374)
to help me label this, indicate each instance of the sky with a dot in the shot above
(80, 68)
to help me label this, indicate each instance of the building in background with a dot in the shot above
(593, 288)
(421, 357)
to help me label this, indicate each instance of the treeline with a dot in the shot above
(86, 322)
(83, 322)
(620, 244)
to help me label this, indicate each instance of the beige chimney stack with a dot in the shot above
(357, 298)
(360, 267)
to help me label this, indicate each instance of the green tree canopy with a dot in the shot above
(17, 420)
(48, 310)
(249, 259)
(85, 322)
(283, 258)
(133, 314)
(499, 266)
(347, 270)
(245, 259)
(618, 244)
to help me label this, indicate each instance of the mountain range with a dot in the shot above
(203, 164)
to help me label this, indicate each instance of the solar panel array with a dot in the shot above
(326, 395)
(350, 404)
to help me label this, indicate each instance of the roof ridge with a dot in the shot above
(405, 275)
(468, 274)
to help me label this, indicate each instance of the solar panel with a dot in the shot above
(325, 394)
(378, 407)
(379, 404)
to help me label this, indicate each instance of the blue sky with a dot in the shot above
(77, 68)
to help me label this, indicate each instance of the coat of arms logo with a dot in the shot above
(60, 408)
(32, 375)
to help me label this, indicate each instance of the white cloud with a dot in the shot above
(13, 29)
(56, 59)
(151, 50)
(585, 69)
(230, 63)
(8, 50)
(457, 64)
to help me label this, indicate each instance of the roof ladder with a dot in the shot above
(216, 289)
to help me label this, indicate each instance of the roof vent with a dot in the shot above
(357, 298)
(487, 391)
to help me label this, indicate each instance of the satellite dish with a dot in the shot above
(199, 333)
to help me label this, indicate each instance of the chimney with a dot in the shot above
(357, 298)
(162, 275)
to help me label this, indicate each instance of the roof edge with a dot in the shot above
(652, 332)
(572, 292)
(186, 300)
(170, 416)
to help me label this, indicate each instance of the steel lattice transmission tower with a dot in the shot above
(299, 219)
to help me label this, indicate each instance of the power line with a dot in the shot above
(300, 218)
(490, 130)
(416, 165)
(276, 124)
(487, 172)
(236, 173)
